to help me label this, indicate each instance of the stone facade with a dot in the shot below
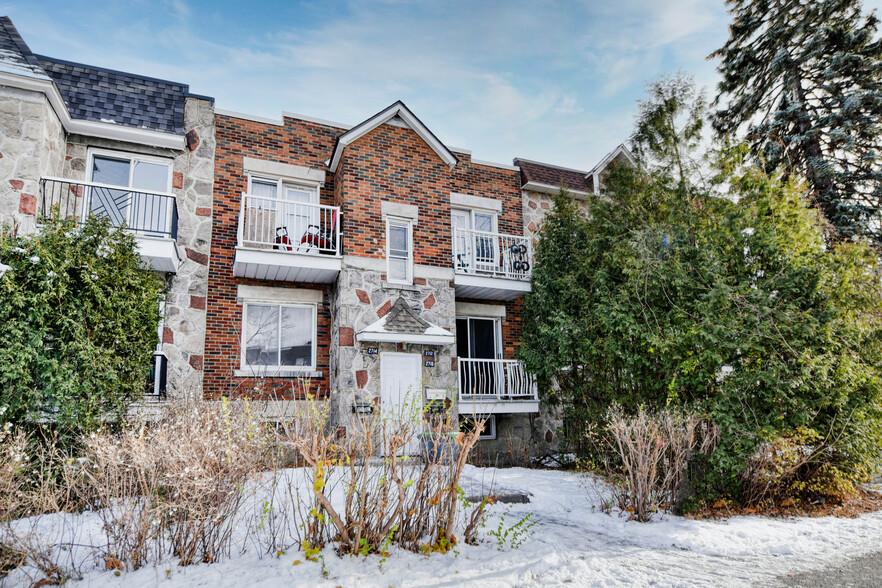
(32, 146)
(183, 333)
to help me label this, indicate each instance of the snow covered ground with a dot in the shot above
(571, 543)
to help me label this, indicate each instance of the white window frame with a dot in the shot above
(408, 224)
(243, 363)
(314, 189)
(131, 157)
(497, 331)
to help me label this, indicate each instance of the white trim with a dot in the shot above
(91, 128)
(433, 272)
(598, 169)
(377, 264)
(397, 109)
(550, 189)
(494, 164)
(469, 201)
(283, 170)
(319, 121)
(460, 150)
(408, 224)
(402, 338)
(284, 295)
(243, 359)
(251, 117)
(284, 372)
(478, 310)
(397, 209)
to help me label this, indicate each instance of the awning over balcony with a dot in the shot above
(402, 324)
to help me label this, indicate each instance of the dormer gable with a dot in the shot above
(398, 115)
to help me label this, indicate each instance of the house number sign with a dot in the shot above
(373, 350)
(429, 357)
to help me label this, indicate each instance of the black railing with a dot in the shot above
(149, 214)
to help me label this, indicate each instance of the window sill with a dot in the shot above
(277, 373)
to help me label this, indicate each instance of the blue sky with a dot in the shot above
(549, 81)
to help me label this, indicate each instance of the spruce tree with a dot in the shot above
(803, 82)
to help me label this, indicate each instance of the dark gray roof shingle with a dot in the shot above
(15, 52)
(104, 95)
(404, 320)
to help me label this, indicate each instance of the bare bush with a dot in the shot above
(652, 451)
(175, 486)
(799, 465)
(388, 497)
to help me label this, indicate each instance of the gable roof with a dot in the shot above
(15, 55)
(109, 96)
(544, 177)
(402, 324)
(398, 109)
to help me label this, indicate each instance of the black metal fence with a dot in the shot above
(143, 213)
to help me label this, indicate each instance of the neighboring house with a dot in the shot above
(130, 148)
(370, 260)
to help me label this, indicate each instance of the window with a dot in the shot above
(146, 205)
(475, 242)
(282, 210)
(279, 335)
(467, 424)
(399, 251)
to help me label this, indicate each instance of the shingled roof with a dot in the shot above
(404, 324)
(15, 55)
(552, 175)
(104, 95)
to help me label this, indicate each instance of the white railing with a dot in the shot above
(284, 225)
(494, 379)
(492, 254)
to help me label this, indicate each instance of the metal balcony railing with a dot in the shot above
(284, 225)
(151, 214)
(492, 254)
(494, 379)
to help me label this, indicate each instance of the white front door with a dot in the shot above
(401, 395)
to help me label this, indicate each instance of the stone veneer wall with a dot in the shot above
(183, 336)
(31, 147)
(362, 297)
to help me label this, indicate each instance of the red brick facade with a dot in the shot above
(390, 163)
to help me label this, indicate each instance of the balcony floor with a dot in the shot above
(483, 406)
(488, 287)
(285, 266)
(158, 253)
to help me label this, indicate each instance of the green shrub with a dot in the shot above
(733, 305)
(79, 317)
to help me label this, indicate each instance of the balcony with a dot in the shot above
(491, 266)
(495, 386)
(151, 216)
(287, 241)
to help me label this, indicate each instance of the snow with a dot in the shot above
(572, 542)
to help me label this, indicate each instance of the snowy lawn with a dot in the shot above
(571, 543)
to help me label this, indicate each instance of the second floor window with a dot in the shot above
(399, 251)
(142, 201)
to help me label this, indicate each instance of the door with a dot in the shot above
(478, 339)
(302, 219)
(139, 206)
(485, 245)
(401, 394)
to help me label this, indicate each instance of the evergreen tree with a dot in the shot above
(803, 81)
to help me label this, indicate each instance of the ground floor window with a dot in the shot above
(279, 335)
(467, 424)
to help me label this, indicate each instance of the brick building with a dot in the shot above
(371, 264)
(371, 260)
